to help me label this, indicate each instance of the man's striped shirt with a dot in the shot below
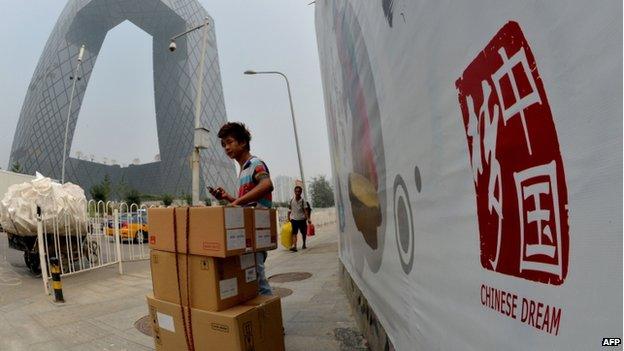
(248, 179)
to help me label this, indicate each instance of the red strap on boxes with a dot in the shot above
(189, 345)
(188, 281)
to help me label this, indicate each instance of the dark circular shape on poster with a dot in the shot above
(289, 277)
(281, 292)
(144, 325)
(403, 224)
(417, 178)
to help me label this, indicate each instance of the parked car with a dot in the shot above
(131, 226)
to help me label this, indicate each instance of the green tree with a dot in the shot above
(188, 198)
(167, 199)
(101, 192)
(119, 190)
(133, 196)
(321, 192)
(17, 167)
(150, 197)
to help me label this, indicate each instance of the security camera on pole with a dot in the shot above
(200, 136)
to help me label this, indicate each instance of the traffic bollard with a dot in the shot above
(57, 286)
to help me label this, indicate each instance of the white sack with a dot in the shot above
(63, 203)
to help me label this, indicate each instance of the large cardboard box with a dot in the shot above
(265, 229)
(215, 283)
(271, 325)
(213, 231)
(235, 329)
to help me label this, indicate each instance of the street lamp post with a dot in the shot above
(200, 138)
(292, 113)
(75, 78)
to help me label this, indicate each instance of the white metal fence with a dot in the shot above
(110, 233)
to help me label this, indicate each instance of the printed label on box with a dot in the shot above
(211, 246)
(262, 218)
(205, 264)
(165, 321)
(250, 275)
(263, 238)
(220, 327)
(247, 260)
(248, 336)
(228, 288)
(235, 239)
(234, 217)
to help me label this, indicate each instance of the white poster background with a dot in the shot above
(578, 51)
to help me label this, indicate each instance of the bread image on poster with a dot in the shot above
(367, 178)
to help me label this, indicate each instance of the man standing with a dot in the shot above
(254, 183)
(299, 217)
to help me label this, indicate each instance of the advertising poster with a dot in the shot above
(477, 165)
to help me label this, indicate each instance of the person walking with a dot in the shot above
(254, 183)
(299, 217)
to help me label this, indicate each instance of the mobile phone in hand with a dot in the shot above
(217, 194)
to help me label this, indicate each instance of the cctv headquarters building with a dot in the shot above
(39, 138)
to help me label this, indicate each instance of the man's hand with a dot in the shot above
(217, 193)
(220, 193)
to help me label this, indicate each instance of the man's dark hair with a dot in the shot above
(236, 130)
(298, 186)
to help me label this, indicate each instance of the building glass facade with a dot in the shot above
(39, 137)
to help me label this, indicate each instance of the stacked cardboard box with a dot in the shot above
(265, 228)
(205, 281)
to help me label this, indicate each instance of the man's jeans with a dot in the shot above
(263, 283)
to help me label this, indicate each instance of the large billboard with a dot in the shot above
(477, 160)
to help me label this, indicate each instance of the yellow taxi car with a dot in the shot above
(131, 226)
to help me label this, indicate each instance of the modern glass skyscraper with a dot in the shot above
(39, 137)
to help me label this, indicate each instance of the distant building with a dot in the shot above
(283, 188)
(38, 143)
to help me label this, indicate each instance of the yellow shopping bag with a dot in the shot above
(286, 235)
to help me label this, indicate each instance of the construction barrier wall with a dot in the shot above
(477, 166)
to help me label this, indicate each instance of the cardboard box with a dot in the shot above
(265, 229)
(235, 329)
(250, 230)
(249, 286)
(271, 325)
(213, 231)
(215, 283)
(249, 276)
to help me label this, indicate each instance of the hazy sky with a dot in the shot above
(117, 119)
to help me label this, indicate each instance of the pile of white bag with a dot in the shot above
(63, 207)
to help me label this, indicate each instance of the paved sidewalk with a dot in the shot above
(102, 306)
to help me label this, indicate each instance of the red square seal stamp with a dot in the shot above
(521, 193)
